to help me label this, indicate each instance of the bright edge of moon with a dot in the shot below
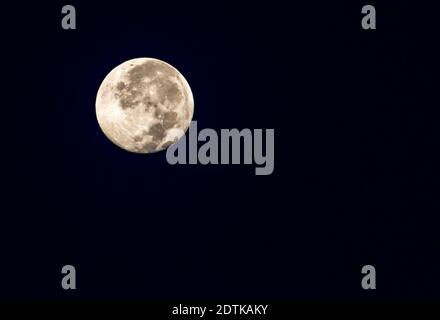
(144, 105)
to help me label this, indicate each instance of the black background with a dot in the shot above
(356, 177)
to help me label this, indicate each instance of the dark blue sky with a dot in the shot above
(356, 154)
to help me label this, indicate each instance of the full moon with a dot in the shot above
(144, 105)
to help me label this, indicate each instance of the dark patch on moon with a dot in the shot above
(137, 138)
(149, 69)
(169, 119)
(169, 90)
(158, 114)
(126, 102)
(149, 105)
(132, 93)
(157, 131)
(120, 86)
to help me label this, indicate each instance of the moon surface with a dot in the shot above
(144, 105)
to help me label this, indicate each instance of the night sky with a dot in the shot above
(357, 153)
